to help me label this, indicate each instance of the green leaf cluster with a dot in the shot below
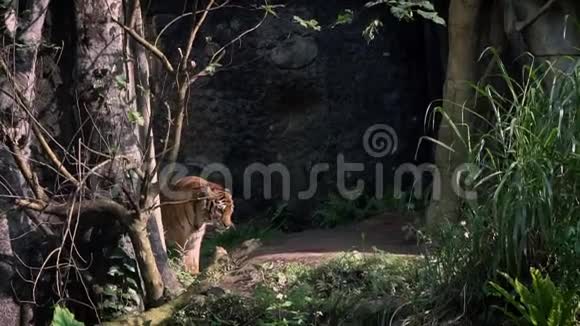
(541, 304)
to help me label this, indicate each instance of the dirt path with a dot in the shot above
(382, 232)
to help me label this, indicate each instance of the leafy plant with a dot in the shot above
(372, 30)
(120, 293)
(212, 68)
(121, 82)
(270, 9)
(228, 309)
(344, 18)
(406, 10)
(529, 164)
(565, 262)
(543, 304)
(310, 24)
(63, 317)
(136, 118)
(402, 10)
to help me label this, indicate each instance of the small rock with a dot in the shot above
(220, 256)
(215, 291)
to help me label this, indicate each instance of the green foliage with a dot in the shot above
(543, 304)
(224, 310)
(344, 18)
(372, 30)
(526, 213)
(566, 244)
(212, 68)
(352, 288)
(402, 10)
(530, 165)
(309, 24)
(63, 317)
(406, 10)
(120, 293)
(136, 118)
(121, 82)
(337, 210)
(270, 9)
(175, 256)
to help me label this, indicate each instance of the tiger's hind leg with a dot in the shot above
(193, 250)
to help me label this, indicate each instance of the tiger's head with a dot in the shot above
(221, 210)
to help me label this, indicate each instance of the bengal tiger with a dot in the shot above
(192, 203)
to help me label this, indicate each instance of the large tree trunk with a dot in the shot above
(458, 92)
(105, 99)
(17, 80)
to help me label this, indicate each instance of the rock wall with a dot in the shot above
(291, 95)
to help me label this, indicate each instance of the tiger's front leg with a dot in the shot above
(192, 251)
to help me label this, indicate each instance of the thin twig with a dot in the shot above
(193, 34)
(26, 170)
(52, 156)
(41, 225)
(184, 85)
(187, 14)
(158, 53)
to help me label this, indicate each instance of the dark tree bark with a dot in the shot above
(461, 70)
(21, 40)
(9, 308)
(106, 101)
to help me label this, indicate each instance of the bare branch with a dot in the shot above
(185, 84)
(187, 14)
(87, 209)
(158, 53)
(25, 169)
(216, 57)
(40, 224)
(193, 34)
(51, 155)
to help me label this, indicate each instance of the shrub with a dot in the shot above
(527, 211)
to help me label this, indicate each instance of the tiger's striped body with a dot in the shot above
(192, 203)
